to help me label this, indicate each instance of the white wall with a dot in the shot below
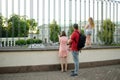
(27, 58)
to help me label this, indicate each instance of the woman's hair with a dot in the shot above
(91, 22)
(63, 33)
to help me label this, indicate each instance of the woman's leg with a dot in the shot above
(89, 40)
(61, 61)
(65, 60)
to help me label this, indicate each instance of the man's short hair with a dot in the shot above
(75, 26)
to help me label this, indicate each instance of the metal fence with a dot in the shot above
(28, 19)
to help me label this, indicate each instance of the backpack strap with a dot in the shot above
(77, 33)
(79, 37)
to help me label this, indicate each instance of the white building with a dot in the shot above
(44, 33)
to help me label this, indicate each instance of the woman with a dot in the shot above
(88, 31)
(63, 50)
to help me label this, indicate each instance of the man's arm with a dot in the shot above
(71, 38)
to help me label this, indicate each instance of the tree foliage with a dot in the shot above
(16, 26)
(107, 31)
(2, 28)
(32, 24)
(70, 30)
(54, 31)
(1, 21)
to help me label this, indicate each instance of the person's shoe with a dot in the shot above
(73, 75)
(72, 71)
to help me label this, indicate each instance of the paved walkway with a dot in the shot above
(98, 73)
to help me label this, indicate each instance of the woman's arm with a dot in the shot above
(86, 26)
(59, 37)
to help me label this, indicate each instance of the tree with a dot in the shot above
(70, 30)
(2, 28)
(54, 31)
(33, 24)
(1, 24)
(17, 27)
(107, 31)
(1, 21)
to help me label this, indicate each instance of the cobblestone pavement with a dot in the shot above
(97, 73)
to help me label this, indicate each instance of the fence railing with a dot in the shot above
(31, 19)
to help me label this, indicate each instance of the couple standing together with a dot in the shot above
(63, 49)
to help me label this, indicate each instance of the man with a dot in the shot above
(73, 41)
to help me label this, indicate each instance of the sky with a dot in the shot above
(63, 11)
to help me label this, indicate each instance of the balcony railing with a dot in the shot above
(31, 19)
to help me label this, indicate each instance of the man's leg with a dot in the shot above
(76, 61)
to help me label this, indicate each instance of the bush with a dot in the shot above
(21, 42)
(28, 41)
(37, 41)
(107, 31)
(32, 41)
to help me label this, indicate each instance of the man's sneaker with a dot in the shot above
(73, 75)
(72, 71)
